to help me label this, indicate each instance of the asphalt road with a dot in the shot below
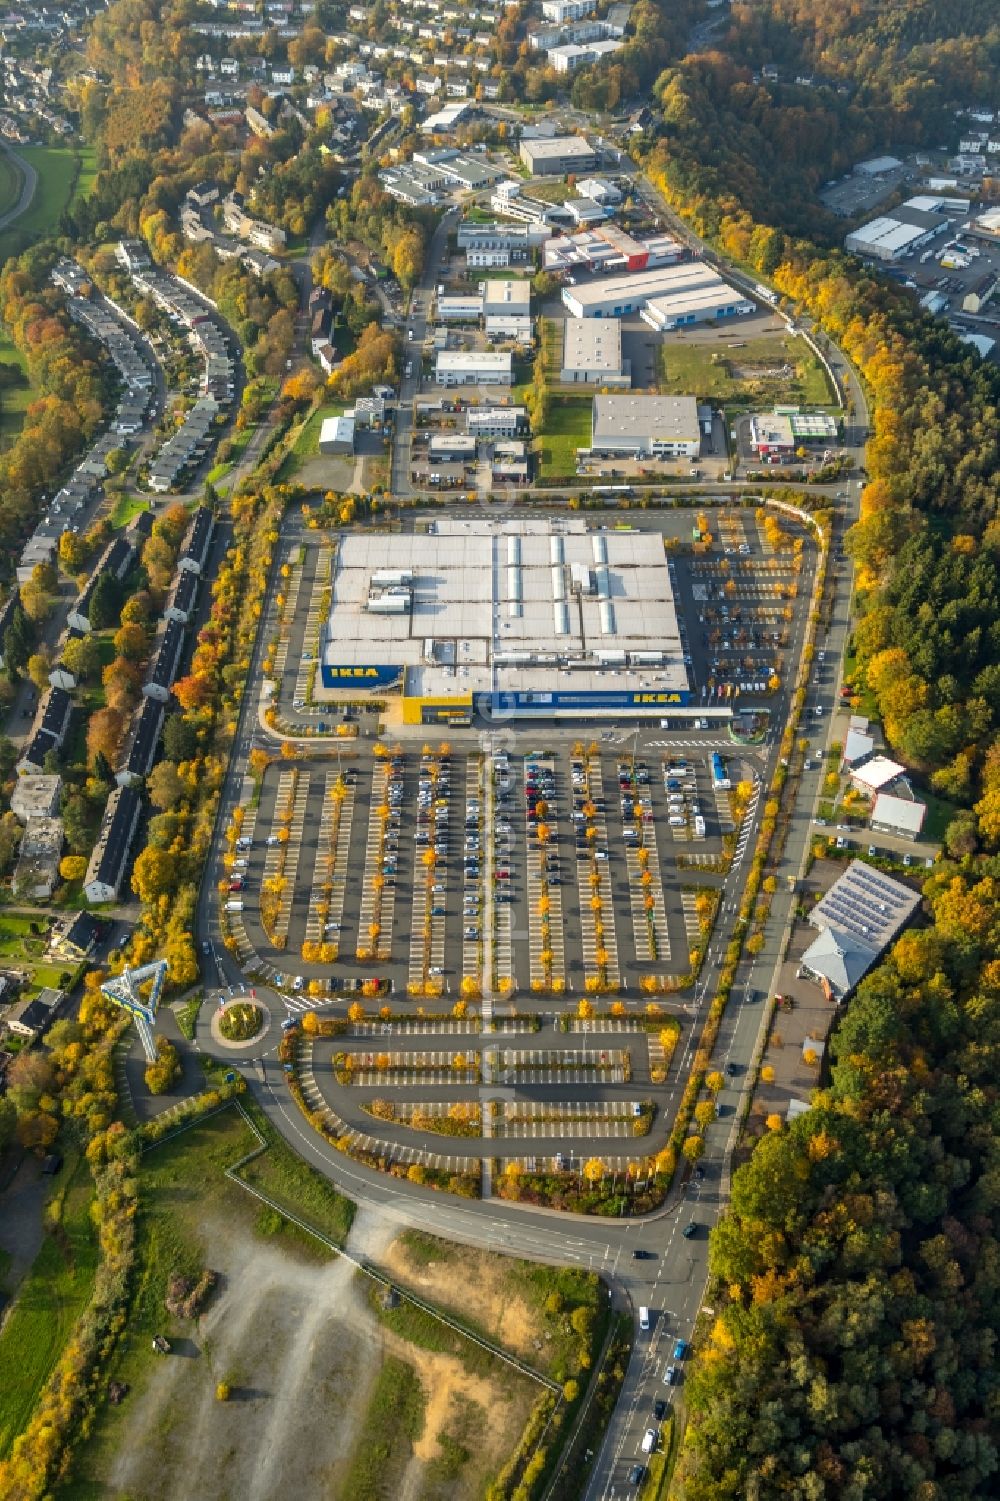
(417, 320)
(29, 182)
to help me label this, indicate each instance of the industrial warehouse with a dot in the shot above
(519, 619)
(667, 297)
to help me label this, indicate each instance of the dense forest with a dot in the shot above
(854, 1353)
(852, 81)
(66, 368)
(855, 1276)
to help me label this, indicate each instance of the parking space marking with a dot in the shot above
(503, 841)
(378, 897)
(472, 915)
(562, 1066)
(645, 886)
(574, 1119)
(432, 846)
(597, 907)
(546, 942)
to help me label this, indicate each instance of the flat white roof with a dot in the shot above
(336, 429)
(474, 359)
(506, 295)
(662, 281)
(484, 608)
(877, 772)
(592, 344)
(901, 812)
(694, 300)
(667, 419)
(886, 233)
(555, 146)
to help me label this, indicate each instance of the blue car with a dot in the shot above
(680, 1349)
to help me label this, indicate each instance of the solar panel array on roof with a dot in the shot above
(865, 903)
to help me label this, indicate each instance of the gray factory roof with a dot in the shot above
(665, 418)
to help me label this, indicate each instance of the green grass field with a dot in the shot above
(395, 1413)
(567, 429)
(50, 1299)
(57, 168)
(10, 183)
(88, 173)
(125, 507)
(306, 445)
(15, 400)
(714, 370)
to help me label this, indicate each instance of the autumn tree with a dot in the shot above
(104, 734)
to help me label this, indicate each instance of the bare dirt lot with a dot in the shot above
(325, 1399)
(526, 1308)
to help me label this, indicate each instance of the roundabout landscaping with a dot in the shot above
(239, 1023)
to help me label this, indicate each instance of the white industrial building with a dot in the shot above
(592, 353)
(784, 431)
(337, 435)
(496, 422)
(459, 307)
(667, 296)
(474, 367)
(716, 299)
(555, 156)
(646, 426)
(894, 235)
(507, 309)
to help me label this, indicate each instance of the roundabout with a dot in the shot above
(239, 1024)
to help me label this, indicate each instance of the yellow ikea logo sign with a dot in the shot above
(355, 672)
(656, 698)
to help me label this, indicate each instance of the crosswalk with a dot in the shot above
(296, 1005)
(679, 742)
(748, 817)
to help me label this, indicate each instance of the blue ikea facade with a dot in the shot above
(501, 704)
(359, 677)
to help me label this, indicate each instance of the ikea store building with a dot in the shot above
(501, 620)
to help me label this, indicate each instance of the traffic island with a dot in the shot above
(239, 1023)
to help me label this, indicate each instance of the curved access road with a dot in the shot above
(29, 182)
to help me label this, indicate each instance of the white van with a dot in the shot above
(234, 906)
(676, 822)
(644, 1319)
(649, 1441)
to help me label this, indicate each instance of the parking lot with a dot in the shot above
(487, 889)
(383, 866)
(561, 870)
